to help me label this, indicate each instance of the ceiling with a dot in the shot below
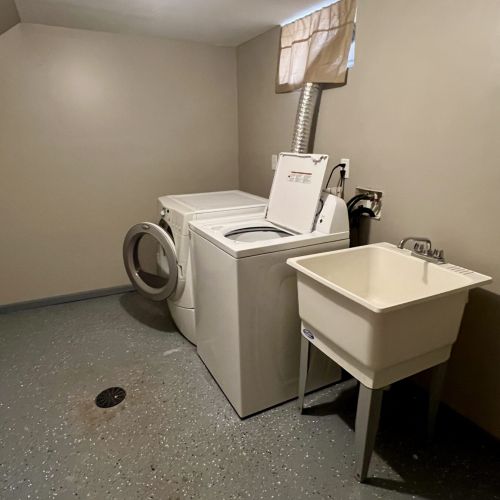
(218, 22)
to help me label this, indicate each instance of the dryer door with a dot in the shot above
(151, 260)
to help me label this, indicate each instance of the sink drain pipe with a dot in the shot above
(306, 118)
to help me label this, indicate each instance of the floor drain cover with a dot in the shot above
(110, 397)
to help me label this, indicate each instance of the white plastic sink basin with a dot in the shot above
(379, 312)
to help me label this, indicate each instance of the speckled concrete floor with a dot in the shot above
(175, 436)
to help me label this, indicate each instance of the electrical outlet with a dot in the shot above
(274, 161)
(347, 167)
(376, 204)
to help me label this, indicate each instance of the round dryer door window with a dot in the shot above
(150, 260)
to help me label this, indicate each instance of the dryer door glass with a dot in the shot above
(150, 260)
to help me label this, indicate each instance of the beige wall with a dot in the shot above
(93, 128)
(8, 15)
(419, 119)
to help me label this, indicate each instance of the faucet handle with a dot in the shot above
(438, 254)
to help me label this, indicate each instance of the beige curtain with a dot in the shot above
(315, 48)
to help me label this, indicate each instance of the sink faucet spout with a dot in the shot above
(417, 239)
(423, 249)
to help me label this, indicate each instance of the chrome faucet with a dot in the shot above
(423, 249)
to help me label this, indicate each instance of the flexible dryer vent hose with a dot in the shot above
(305, 121)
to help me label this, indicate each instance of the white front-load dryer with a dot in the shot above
(157, 257)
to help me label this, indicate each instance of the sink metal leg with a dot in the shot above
(305, 346)
(367, 419)
(436, 389)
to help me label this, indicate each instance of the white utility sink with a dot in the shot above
(379, 312)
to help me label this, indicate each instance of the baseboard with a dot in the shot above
(61, 299)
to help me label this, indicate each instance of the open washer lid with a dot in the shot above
(296, 189)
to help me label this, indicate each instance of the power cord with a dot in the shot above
(340, 165)
(322, 204)
(341, 184)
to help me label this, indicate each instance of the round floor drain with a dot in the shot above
(110, 397)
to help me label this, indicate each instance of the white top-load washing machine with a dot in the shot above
(157, 256)
(247, 320)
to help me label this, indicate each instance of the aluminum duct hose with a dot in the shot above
(305, 121)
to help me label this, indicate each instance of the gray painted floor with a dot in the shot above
(175, 436)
